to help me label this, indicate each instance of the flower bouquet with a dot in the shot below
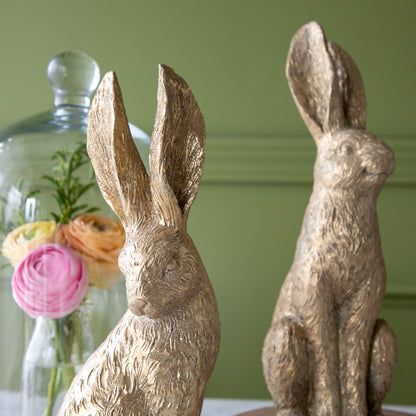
(55, 263)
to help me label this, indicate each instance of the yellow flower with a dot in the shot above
(22, 240)
(98, 240)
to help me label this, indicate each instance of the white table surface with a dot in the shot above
(231, 407)
(10, 406)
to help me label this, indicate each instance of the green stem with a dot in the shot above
(63, 369)
(64, 353)
(52, 388)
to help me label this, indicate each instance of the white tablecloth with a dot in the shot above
(231, 407)
(10, 406)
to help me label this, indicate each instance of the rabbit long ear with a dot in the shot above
(351, 86)
(325, 82)
(177, 150)
(119, 169)
(312, 80)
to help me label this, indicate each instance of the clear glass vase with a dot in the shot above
(56, 351)
(30, 153)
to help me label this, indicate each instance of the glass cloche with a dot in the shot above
(49, 199)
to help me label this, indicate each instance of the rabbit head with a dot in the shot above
(162, 270)
(329, 92)
(161, 265)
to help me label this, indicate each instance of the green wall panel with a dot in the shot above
(232, 53)
(254, 228)
(400, 312)
(258, 174)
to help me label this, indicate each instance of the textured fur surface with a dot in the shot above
(326, 353)
(159, 357)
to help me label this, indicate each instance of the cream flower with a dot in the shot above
(22, 240)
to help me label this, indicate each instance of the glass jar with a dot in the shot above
(56, 351)
(41, 159)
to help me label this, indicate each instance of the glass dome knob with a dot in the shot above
(74, 76)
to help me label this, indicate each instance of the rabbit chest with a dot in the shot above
(167, 352)
(339, 251)
(162, 364)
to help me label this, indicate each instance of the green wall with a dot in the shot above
(259, 155)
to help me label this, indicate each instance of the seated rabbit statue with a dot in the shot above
(160, 355)
(326, 352)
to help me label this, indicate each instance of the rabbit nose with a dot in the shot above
(391, 165)
(389, 161)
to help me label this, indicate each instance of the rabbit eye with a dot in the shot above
(169, 269)
(346, 149)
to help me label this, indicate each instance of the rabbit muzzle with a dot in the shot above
(379, 164)
(141, 308)
(138, 307)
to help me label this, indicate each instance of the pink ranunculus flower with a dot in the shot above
(50, 281)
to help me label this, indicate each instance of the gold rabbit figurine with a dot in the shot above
(326, 352)
(160, 355)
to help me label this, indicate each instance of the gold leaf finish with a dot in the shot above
(159, 357)
(326, 352)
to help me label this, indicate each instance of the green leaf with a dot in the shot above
(85, 189)
(92, 209)
(32, 194)
(19, 184)
(50, 179)
(79, 208)
(57, 199)
(55, 217)
(58, 170)
(68, 187)
(61, 193)
(60, 154)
